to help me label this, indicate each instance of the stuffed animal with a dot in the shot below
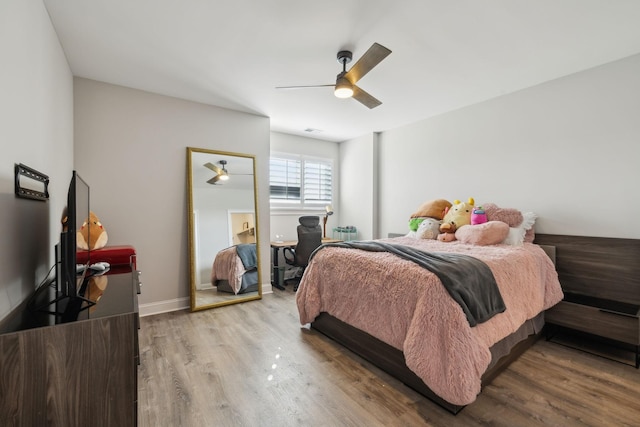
(414, 223)
(458, 215)
(97, 285)
(428, 229)
(508, 226)
(514, 218)
(64, 219)
(449, 235)
(92, 235)
(487, 233)
(478, 216)
(423, 228)
(432, 209)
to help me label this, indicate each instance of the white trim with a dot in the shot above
(180, 303)
(164, 306)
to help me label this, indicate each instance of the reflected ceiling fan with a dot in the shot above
(222, 174)
(345, 86)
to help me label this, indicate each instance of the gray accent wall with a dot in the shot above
(36, 129)
(130, 146)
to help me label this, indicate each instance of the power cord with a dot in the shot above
(46, 282)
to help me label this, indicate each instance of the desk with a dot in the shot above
(275, 248)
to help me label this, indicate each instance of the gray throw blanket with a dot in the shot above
(247, 254)
(468, 280)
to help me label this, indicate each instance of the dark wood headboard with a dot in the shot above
(603, 267)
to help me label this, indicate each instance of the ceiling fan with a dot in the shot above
(221, 172)
(345, 85)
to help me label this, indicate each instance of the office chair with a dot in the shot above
(309, 238)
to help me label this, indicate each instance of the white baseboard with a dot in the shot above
(164, 306)
(180, 303)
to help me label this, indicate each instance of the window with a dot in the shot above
(300, 182)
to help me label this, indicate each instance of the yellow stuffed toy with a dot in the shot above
(92, 235)
(458, 215)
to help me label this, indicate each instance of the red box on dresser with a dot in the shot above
(121, 256)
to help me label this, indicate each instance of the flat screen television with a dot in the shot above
(70, 279)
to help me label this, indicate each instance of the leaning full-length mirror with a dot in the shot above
(223, 228)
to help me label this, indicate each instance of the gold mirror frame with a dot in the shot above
(203, 297)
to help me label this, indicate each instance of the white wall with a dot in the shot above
(359, 189)
(130, 146)
(285, 222)
(36, 107)
(213, 222)
(568, 150)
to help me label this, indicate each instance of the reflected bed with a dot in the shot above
(235, 269)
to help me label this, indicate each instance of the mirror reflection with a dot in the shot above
(223, 228)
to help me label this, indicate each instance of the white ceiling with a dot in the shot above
(446, 53)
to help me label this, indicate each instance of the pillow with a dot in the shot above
(516, 235)
(530, 235)
(489, 233)
(513, 217)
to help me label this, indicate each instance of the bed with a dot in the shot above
(399, 316)
(235, 269)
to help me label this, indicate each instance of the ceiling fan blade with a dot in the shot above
(364, 98)
(213, 167)
(370, 59)
(214, 179)
(304, 87)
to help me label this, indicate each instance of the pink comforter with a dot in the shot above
(407, 307)
(228, 266)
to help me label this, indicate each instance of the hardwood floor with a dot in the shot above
(252, 364)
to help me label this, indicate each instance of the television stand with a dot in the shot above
(82, 372)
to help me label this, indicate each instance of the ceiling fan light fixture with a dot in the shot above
(344, 88)
(223, 175)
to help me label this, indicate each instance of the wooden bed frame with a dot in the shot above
(604, 269)
(391, 360)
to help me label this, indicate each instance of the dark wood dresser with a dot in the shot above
(601, 281)
(79, 373)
